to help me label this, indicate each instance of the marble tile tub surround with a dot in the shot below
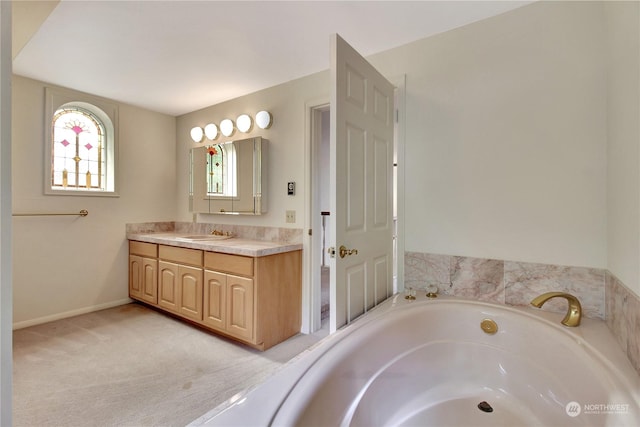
(506, 282)
(623, 317)
(249, 232)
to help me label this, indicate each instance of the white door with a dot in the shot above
(361, 163)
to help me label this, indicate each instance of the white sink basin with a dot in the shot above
(203, 237)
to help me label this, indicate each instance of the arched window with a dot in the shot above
(78, 151)
(81, 151)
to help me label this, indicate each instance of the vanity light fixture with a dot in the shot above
(211, 131)
(226, 127)
(197, 134)
(244, 123)
(264, 119)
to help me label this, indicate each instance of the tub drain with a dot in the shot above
(485, 407)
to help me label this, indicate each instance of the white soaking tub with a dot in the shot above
(429, 363)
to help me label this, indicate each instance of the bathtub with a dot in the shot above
(429, 363)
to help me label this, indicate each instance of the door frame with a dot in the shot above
(311, 296)
(399, 152)
(6, 231)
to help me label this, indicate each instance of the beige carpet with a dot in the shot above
(132, 366)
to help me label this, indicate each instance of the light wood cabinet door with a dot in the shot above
(149, 280)
(215, 300)
(143, 278)
(135, 276)
(168, 291)
(180, 289)
(190, 292)
(240, 307)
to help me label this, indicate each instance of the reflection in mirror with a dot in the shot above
(227, 178)
(221, 170)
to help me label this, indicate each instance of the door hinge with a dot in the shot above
(310, 232)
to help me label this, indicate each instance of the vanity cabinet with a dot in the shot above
(143, 271)
(256, 300)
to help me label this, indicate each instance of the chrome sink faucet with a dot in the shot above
(574, 312)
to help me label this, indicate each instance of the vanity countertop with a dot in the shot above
(235, 246)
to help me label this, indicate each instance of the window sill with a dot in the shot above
(82, 193)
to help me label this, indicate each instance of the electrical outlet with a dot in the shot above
(291, 216)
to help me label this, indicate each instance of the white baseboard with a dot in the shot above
(58, 316)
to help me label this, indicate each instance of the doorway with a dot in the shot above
(321, 215)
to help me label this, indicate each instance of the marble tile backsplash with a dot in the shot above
(601, 294)
(525, 281)
(151, 227)
(270, 234)
(623, 317)
(506, 282)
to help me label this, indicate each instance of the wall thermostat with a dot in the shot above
(291, 188)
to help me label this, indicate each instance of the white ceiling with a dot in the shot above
(180, 56)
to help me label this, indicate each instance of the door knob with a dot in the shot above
(344, 251)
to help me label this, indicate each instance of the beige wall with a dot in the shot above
(68, 265)
(506, 137)
(623, 148)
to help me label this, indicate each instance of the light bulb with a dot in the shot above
(226, 127)
(197, 134)
(244, 123)
(211, 131)
(264, 119)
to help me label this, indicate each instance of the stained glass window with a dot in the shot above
(221, 170)
(78, 150)
(215, 170)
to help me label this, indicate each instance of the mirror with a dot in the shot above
(228, 178)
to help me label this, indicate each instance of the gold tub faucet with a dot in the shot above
(574, 312)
